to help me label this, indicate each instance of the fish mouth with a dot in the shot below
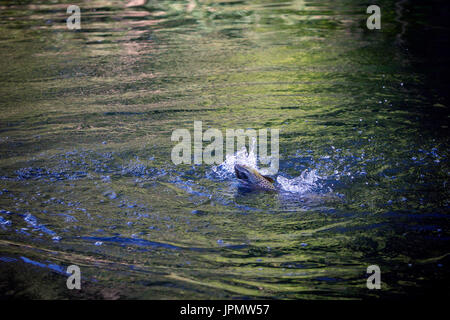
(241, 172)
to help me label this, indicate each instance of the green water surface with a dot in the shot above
(86, 118)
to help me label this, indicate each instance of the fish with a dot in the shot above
(251, 178)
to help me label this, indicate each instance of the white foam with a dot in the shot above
(306, 182)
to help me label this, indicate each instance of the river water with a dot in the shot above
(86, 176)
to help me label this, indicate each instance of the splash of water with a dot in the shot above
(226, 168)
(308, 180)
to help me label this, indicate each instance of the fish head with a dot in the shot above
(251, 177)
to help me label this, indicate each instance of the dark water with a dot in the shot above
(86, 176)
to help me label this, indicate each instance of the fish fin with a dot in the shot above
(269, 178)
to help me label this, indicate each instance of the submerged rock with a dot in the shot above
(110, 194)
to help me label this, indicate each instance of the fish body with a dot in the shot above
(251, 178)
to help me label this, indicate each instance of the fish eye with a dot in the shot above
(244, 176)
